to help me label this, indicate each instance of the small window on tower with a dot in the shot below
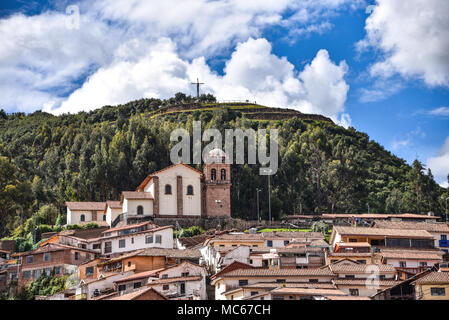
(140, 210)
(190, 190)
(213, 174)
(83, 218)
(167, 189)
(223, 174)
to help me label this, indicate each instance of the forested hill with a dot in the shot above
(46, 160)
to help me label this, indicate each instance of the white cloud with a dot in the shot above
(441, 111)
(252, 73)
(440, 164)
(106, 60)
(412, 37)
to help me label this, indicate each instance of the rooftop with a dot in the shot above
(87, 205)
(434, 278)
(428, 226)
(364, 231)
(259, 272)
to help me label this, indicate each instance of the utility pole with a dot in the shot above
(257, 192)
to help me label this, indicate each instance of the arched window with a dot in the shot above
(223, 174)
(190, 190)
(167, 189)
(140, 210)
(83, 218)
(213, 174)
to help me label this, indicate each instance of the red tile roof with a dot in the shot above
(87, 205)
(434, 278)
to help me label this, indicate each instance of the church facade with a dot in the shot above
(176, 191)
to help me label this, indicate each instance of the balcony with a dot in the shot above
(444, 243)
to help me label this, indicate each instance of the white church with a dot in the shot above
(178, 191)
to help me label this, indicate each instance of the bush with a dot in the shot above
(74, 227)
(190, 232)
(91, 225)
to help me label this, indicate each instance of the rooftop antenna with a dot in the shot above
(197, 83)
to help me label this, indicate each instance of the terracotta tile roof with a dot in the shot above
(376, 216)
(363, 282)
(346, 298)
(434, 278)
(130, 226)
(363, 231)
(51, 247)
(353, 244)
(259, 272)
(413, 215)
(114, 204)
(74, 206)
(136, 294)
(273, 285)
(350, 254)
(412, 255)
(174, 279)
(171, 253)
(141, 275)
(299, 216)
(428, 226)
(268, 236)
(84, 234)
(307, 291)
(136, 195)
(360, 268)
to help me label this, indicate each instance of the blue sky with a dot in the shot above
(383, 70)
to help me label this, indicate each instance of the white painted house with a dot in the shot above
(135, 237)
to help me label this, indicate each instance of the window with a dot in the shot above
(77, 255)
(132, 240)
(403, 264)
(137, 285)
(83, 218)
(104, 217)
(89, 271)
(108, 247)
(149, 239)
(96, 246)
(122, 243)
(26, 274)
(278, 297)
(223, 174)
(250, 261)
(234, 245)
(443, 237)
(349, 276)
(352, 240)
(189, 190)
(158, 238)
(269, 243)
(213, 174)
(423, 264)
(313, 280)
(36, 273)
(122, 287)
(47, 271)
(167, 189)
(286, 242)
(165, 287)
(184, 274)
(243, 282)
(140, 210)
(253, 293)
(164, 276)
(46, 256)
(57, 270)
(382, 277)
(438, 291)
(30, 259)
(280, 280)
(183, 288)
(353, 292)
(362, 261)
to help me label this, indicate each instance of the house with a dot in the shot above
(439, 231)
(356, 279)
(432, 286)
(367, 219)
(357, 251)
(94, 287)
(135, 237)
(112, 210)
(52, 258)
(85, 239)
(175, 191)
(411, 261)
(382, 237)
(237, 278)
(148, 259)
(86, 212)
(216, 258)
(185, 280)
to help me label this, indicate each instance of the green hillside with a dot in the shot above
(46, 160)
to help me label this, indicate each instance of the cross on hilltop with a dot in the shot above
(198, 83)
